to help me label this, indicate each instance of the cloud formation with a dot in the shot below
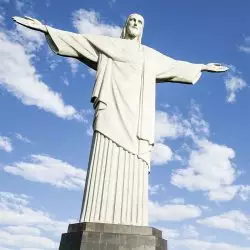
(194, 244)
(155, 189)
(246, 46)
(24, 227)
(45, 169)
(233, 220)
(5, 144)
(161, 154)
(74, 64)
(90, 22)
(233, 85)
(22, 138)
(210, 168)
(172, 212)
(19, 76)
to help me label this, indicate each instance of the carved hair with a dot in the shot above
(124, 30)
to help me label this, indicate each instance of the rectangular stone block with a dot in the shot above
(101, 236)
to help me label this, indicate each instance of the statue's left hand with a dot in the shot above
(215, 67)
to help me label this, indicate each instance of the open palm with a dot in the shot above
(216, 67)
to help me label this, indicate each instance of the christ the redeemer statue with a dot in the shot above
(116, 189)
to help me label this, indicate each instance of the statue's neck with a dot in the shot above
(134, 40)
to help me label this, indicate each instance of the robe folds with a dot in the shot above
(124, 90)
(116, 188)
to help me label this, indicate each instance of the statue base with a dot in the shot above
(102, 236)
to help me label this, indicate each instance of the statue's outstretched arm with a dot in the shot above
(30, 23)
(64, 43)
(171, 70)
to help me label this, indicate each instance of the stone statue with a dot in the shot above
(116, 189)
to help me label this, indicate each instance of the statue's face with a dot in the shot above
(135, 25)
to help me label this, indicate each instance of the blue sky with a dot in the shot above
(199, 182)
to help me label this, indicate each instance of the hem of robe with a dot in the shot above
(124, 148)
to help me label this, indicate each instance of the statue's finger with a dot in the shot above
(19, 20)
(30, 18)
(16, 18)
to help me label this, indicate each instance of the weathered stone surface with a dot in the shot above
(101, 236)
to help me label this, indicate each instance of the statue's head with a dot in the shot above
(133, 27)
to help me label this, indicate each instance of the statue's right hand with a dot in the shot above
(31, 23)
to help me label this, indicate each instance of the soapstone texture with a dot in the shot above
(124, 102)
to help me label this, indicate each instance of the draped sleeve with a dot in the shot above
(171, 70)
(74, 45)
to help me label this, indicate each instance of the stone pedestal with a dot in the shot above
(101, 236)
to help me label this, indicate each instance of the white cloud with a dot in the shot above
(193, 244)
(244, 192)
(172, 212)
(175, 125)
(89, 22)
(74, 64)
(30, 39)
(5, 248)
(177, 201)
(46, 169)
(185, 232)
(224, 193)
(24, 6)
(23, 230)
(169, 233)
(161, 154)
(26, 240)
(22, 138)
(65, 80)
(5, 144)
(233, 221)
(52, 59)
(15, 212)
(199, 126)
(155, 189)
(189, 231)
(24, 227)
(2, 16)
(89, 131)
(233, 85)
(18, 76)
(246, 47)
(92, 72)
(210, 168)
(112, 2)
(168, 126)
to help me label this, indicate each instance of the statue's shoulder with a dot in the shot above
(93, 36)
(105, 39)
(151, 51)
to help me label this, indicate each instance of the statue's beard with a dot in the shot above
(133, 32)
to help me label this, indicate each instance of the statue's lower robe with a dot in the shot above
(116, 189)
